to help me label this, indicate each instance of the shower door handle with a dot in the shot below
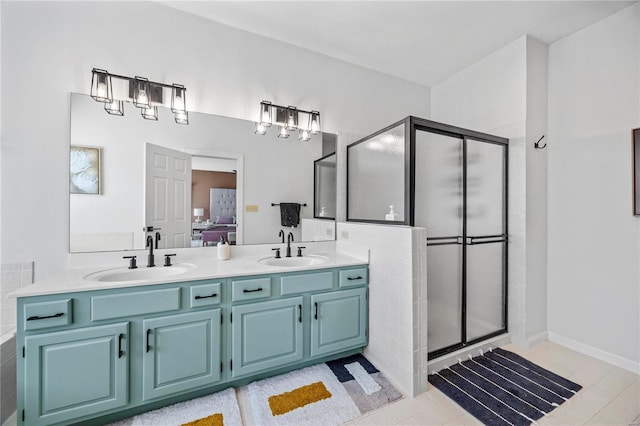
(486, 239)
(443, 241)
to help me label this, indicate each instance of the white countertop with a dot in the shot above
(206, 267)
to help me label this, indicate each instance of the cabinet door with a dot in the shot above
(266, 335)
(180, 352)
(70, 374)
(338, 321)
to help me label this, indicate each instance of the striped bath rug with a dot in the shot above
(323, 394)
(502, 388)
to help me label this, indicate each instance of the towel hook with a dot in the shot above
(537, 144)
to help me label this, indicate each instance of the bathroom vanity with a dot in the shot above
(111, 350)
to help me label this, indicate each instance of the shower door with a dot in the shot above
(460, 198)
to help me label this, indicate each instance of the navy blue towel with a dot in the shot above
(289, 214)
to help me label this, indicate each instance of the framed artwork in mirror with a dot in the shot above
(635, 152)
(85, 170)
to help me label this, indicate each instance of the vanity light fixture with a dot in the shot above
(141, 92)
(101, 87)
(288, 119)
(144, 94)
(292, 118)
(314, 122)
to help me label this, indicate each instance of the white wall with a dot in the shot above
(536, 190)
(594, 82)
(49, 49)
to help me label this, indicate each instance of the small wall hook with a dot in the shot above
(537, 144)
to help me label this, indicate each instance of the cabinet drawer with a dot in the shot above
(47, 314)
(256, 288)
(353, 277)
(293, 284)
(132, 304)
(204, 295)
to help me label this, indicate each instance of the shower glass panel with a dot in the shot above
(485, 297)
(485, 188)
(444, 306)
(438, 207)
(376, 176)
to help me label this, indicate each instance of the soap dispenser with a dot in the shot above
(223, 249)
(392, 215)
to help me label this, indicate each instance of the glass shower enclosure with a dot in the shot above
(453, 182)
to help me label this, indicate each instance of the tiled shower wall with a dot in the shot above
(14, 276)
(397, 300)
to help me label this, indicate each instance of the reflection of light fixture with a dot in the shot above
(198, 213)
(260, 129)
(150, 113)
(304, 135)
(182, 117)
(283, 132)
(144, 94)
(287, 119)
(115, 107)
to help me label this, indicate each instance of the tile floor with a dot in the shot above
(609, 396)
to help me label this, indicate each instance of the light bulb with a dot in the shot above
(303, 135)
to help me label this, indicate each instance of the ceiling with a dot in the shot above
(420, 41)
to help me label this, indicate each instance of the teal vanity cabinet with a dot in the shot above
(181, 352)
(70, 374)
(106, 354)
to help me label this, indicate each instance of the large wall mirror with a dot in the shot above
(196, 182)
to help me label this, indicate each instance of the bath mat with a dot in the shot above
(218, 409)
(502, 388)
(326, 394)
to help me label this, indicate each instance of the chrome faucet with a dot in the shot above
(150, 260)
(289, 239)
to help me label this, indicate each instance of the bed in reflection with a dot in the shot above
(222, 221)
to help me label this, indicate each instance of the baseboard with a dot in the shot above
(537, 339)
(605, 356)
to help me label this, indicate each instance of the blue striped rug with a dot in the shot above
(502, 388)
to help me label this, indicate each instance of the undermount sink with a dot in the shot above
(307, 260)
(139, 274)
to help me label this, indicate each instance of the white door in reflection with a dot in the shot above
(168, 195)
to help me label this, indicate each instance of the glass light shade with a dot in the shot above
(292, 118)
(283, 132)
(260, 129)
(265, 114)
(141, 93)
(304, 135)
(314, 122)
(178, 102)
(115, 107)
(150, 113)
(182, 117)
(101, 88)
